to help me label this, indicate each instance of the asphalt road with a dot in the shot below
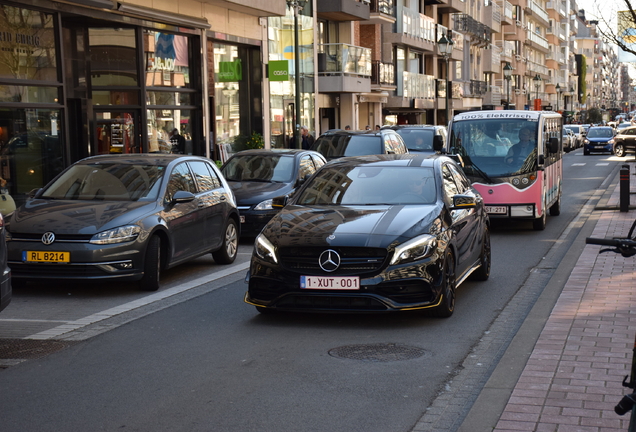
(201, 359)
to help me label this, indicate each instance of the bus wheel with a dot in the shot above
(538, 224)
(555, 210)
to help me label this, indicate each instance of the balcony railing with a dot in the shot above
(344, 59)
(508, 9)
(467, 24)
(536, 68)
(417, 25)
(418, 86)
(538, 10)
(382, 73)
(538, 39)
(386, 7)
(474, 88)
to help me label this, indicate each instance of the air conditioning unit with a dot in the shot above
(518, 23)
(518, 91)
(518, 57)
(524, 91)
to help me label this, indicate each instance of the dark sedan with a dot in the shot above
(125, 218)
(373, 234)
(599, 139)
(258, 176)
(337, 144)
(625, 142)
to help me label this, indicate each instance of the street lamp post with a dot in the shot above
(537, 83)
(296, 5)
(507, 71)
(558, 89)
(445, 46)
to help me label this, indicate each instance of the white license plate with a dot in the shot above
(242, 219)
(599, 147)
(330, 282)
(496, 209)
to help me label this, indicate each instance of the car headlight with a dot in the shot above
(117, 235)
(414, 249)
(265, 249)
(265, 205)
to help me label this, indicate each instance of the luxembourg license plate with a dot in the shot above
(330, 282)
(46, 257)
(496, 209)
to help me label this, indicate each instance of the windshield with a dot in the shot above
(259, 167)
(495, 148)
(107, 181)
(334, 146)
(367, 185)
(575, 129)
(600, 133)
(417, 139)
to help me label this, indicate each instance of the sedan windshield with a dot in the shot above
(259, 167)
(600, 133)
(368, 185)
(349, 145)
(416, 139)
(107, 181)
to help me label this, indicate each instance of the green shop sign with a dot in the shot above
(278, 70)
(230, 71)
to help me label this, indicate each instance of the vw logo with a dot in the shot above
(329, 260)
(48, 238)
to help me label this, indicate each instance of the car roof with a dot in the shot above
(601, 127)
(413, 126)
(145, 158)
(353, 132)
(274, 151)
(410, 159)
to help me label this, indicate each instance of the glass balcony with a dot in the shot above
(418, 86)
(417, 25)
(386, 7)
(344, 59)
(382, 74)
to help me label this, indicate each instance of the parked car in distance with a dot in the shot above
(258, 176)
(123, 217)
(5, 277)
(336, 144)
(421, 138)
(373, 234)
(625, 142)
(599, 139)
(623, 125)
(569, 142)
(578, 131)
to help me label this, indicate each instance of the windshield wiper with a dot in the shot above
(478, 170)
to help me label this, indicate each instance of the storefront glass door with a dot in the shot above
(116, 132)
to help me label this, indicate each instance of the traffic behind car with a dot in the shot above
(625, 141)
(599, 139)
(579, 134)
(373, 234)
(336, 144)
(623, 125)
(258, 176)
(421, 138)
(569, 142)
(123, 218)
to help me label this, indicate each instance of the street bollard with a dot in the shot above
(624, 189)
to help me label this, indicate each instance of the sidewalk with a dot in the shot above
(572, 379)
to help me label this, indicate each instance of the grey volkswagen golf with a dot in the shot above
(125, 218)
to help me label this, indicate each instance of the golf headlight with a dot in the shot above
(414, 249)
(264, 249)
(265, 205)
(117, 235)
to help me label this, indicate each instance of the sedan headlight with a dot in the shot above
(117, 235)
(265, 249)
(265, 205)
(414, 249)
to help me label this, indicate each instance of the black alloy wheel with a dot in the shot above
(449, 285)
(483, 272)
(152, 265)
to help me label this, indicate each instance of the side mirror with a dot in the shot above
(463, 202)
(302, 180)
(280, 202)
(438, 143)
(182, 197)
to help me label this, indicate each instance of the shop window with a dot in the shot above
(113, 57)
(161, 123)
(167, 60)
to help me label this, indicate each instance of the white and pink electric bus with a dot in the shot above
(514, 159)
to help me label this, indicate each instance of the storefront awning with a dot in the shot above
(164, 17)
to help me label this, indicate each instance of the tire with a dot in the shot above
(619, 150)
(152, 265)
(555, 209)
(539, 223)
(449, 285)
(483, 272)
(586, 152)
(229, 248)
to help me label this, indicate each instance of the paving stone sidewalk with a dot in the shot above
(572, 380)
